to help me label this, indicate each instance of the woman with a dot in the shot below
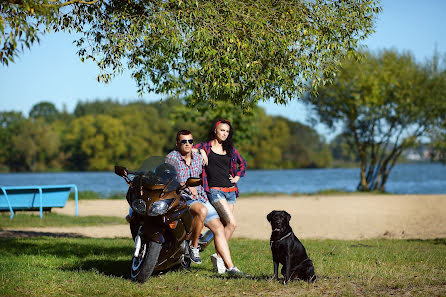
(223, 168)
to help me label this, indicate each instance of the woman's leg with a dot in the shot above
(231, 207)
(221, 244)
(226, 213)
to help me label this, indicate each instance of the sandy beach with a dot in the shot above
(320, 217)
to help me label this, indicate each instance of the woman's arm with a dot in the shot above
(199, 148)
(241, 168)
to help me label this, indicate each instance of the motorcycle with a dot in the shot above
(160, 222)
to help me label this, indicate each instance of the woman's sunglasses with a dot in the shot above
(187, 140)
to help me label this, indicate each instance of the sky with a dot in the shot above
(51, 71)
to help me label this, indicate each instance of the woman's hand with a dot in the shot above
(234, 179)
(204, 157)
(193, 191)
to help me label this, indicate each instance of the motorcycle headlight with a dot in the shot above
(159, 207)
(139, 206)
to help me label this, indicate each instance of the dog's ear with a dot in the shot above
(269, 216)
(288, 216)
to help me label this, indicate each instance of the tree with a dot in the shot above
(238, 51)
(23, 22)
(385, 105)
(342, 152)
(304, 148)
(437, 71)
(96, 143)
(36, 147)
(11, 124)
(45, 110)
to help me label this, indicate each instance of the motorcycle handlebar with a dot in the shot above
(136, 172)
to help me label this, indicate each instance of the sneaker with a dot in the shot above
(235, 272)
(219, 264)
(194, 253)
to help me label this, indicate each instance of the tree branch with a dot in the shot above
(72, 2)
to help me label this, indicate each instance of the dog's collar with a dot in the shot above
(272, 241)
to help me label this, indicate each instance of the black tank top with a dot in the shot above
(218, 170)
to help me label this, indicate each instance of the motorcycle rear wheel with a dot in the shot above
(143, 265)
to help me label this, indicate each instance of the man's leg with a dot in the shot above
(199, 212)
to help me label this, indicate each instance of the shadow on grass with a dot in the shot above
(79, 247)
(28, 234)
(114, 268)
(432, 241)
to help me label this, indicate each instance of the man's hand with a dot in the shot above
(234, 179)
(193, 191)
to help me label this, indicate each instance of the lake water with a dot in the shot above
(417, 178)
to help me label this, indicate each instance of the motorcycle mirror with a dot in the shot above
(121, 171)
(193, 182)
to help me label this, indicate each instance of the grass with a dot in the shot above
(25, 219)
(91, 195)
(47, 266)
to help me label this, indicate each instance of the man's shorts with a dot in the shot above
(216, 195)
(212, 213)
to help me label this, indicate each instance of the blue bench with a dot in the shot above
(36, 197)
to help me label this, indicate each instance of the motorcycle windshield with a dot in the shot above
(156, 172)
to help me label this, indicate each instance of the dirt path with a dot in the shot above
(335, 217)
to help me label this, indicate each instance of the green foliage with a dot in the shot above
(385, 104)
(11, 124)
(101, 134)
(23, 22)
(44, 110)
(342, 152)
(237, 51)
(100, 267)
(97, 142)
(36, 146)
(200, 116)
(437, 72)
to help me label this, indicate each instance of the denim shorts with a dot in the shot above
(212, 213)
(216, 195)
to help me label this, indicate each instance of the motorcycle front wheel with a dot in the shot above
(144, 264)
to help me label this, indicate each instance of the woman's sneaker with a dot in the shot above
(194, 253)
(219, 264)
(235, 272)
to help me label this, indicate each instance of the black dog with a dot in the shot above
(288, 250)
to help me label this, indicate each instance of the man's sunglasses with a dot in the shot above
(187, 140)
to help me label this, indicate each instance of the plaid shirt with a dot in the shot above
(237, 166)
(185, 171)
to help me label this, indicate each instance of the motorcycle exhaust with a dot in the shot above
(205, 239)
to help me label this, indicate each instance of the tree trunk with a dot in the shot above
(364, 185)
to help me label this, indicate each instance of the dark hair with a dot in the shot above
(227, 144)
(182, 132)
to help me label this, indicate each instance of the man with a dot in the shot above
(189, 164)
